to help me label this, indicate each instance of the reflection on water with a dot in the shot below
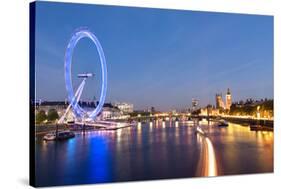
(139, 125)
(207, 164)
(153, 150)
(212, 163)
(151, 125)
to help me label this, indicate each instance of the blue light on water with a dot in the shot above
(99, 160)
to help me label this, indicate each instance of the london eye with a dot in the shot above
(74, 97)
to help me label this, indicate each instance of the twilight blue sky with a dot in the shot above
(155, 57)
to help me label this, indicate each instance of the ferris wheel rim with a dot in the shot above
(77, 109)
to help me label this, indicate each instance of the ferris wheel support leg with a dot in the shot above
(78, 92)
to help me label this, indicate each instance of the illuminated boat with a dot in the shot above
(200, 131)
(223, 123)
(190, 122)
(61, 135)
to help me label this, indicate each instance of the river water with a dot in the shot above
(156, 150)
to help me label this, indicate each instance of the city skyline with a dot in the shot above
(157, 58)
(135, 94)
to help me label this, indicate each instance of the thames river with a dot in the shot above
(156, 150)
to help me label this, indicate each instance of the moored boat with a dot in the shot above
(60, 135)
(223, 123)
(50, 136)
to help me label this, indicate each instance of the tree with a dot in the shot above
(41, 116)
(52, 115)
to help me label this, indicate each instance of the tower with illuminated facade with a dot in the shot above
(219, 101)
(228, 100)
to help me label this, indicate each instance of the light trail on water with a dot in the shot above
(207, 165)
(212, 163)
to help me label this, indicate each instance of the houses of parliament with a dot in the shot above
(220, 103)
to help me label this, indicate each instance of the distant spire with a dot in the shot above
(228, 91)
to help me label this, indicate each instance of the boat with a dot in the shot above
(61, 135)
(260, 128)
(190, 122)
(199, 131)
(50, 136)
(223, 123)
